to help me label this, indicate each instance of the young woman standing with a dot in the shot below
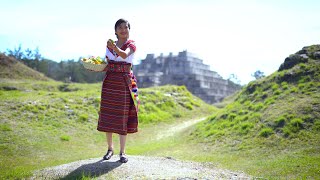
(118, 110)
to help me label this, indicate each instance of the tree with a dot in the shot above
(234, 78)
(36, 54)
(28, 54)
(16, 53)
(258, 74)
(68, 70)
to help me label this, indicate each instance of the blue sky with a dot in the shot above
(237, 37)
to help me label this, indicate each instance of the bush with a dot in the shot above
(177, 114)
(150, 107)
(5, 127)
(296, 124)
(65, 138)
(188, 106)
(270, 101)
(294, 90)
(286, 132)
(245, 127)
(83, 118)
(167, 105)
(258, 107)
(277, 92)
(316, 126)
(266, 132)
(232, 116)
(280, 122)
(195, 103)
(255, 116)
(284, 83)
(275, 86)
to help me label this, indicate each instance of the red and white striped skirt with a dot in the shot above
(118, 114)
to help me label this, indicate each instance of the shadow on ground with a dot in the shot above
(92, 170)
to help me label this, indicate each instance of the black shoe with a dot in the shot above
(108, 155)
(123, 158)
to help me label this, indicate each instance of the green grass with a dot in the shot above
(47, 123)
(270, 158)
(271, 129)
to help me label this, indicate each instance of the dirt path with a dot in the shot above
(140, 167)
(178, 128)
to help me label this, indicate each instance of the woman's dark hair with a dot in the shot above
(119, 22)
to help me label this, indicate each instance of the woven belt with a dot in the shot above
(118, 67)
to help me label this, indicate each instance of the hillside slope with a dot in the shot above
(47, 123)
(10, 68)
(274, 121)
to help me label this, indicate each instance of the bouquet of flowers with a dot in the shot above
(94, 63)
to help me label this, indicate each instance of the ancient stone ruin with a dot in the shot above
(184, 69)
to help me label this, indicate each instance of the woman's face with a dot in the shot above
(122, 30)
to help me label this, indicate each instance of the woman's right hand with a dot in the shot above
(111, 44)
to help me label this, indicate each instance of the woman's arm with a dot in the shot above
(123, 54)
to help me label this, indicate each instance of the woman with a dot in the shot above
(118, 111)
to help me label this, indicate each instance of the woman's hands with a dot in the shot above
(111, 44)
(123, 54)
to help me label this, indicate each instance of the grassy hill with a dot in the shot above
(272, 128)
(46, 123)
(10, 68)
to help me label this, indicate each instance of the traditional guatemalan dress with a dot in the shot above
(119, 101)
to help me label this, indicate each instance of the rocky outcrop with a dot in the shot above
(302, 56)
(292, 60)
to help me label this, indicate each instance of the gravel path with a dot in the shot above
(138, 167)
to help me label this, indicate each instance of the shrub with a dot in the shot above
(280, 122)
(83, 118)
(311, 86)
(266, 132)
(277, 92)
(258, 107)
(231, 116)
(188, 106)
(308, 118)
(65, 138)
(177, 114)
(301, 85)
(167, 105)
(195, 103)
(147, 117)
(286, 132)
(264, 95)
(96, 101)
(294, 90)
(270, 101)
(275, 86)
(284, 85)
(316, 126)
(150, 107)
(255, 117)
(5, 127)
(245, 127)
(296, 124)
(243, 112)
(303, 66)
